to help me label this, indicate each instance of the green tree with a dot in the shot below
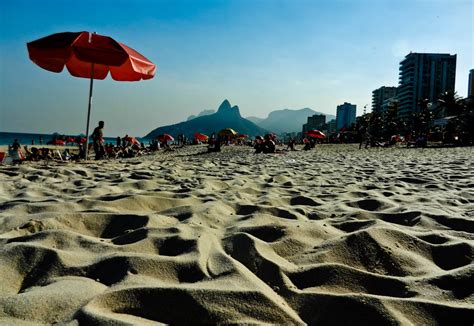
(449, 104)
(423, 118)
(461, 114)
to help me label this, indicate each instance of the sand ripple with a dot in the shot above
(331, 236)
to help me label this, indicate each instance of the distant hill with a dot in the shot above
(201, 114)
(255, 120)
(287, 120)
(225, 117)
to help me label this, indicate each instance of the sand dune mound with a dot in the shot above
(331, 236)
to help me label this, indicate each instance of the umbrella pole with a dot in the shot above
(91, 86)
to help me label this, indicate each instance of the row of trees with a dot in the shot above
(450, 119)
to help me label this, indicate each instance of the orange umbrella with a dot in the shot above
(165, 137)
(316, 134)
(201, 137)
(89, 55)
(132, 140)
(57, 142)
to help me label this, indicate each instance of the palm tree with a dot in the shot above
(449, 103)
(422, 118)
(461, 112)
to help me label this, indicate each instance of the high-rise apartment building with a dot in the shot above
(470, 88)
(424, 76)
(380, 95)
(346, 115)
(331, 126)
(314, 122)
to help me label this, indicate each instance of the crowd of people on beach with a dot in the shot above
(128, 147)
(125, 147)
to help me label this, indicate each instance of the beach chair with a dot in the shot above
(58, 154)
(5, 158)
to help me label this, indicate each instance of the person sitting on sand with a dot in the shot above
(33, 155)
(258, 144)
(307, 144)
(14, 151)
(214, 144)
(66, 155)
(110, 150)
(45, 154)
(268, 145)
(265, 146)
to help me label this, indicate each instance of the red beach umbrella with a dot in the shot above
(134, 141)
(90, 55)
(165, 137)
(70, 140)
(201, 137)
(57, 142)
(316, 134)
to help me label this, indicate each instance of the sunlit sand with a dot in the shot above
(329, 236)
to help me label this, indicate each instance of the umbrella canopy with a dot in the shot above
(165, 137)
(316, 134)
(201, 137)
(227, 132)
(77, 51)
(90, 55)
(132, 140)
(243, 136)
(57, 142)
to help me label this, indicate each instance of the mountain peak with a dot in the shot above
(227, 116)
(225, 106)
(226, 109)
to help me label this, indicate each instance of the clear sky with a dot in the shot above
(262, 55)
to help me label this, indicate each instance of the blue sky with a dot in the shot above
(262, 55)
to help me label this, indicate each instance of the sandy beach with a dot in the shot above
(330, 236)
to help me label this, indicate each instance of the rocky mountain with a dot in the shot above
(287, 120)
(227, 116)
(201, 114)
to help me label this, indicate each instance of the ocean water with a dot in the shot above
(6, 138)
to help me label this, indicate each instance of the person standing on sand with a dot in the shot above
(361, 134)
(291, 144)
(98, 141)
